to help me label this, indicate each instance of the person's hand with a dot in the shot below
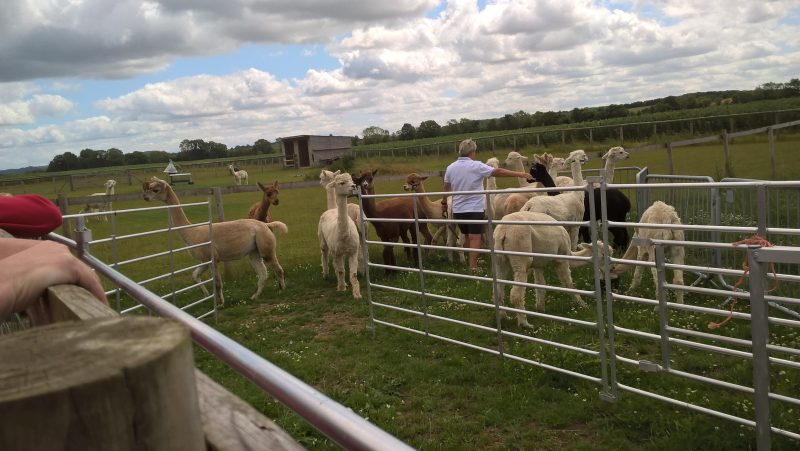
(529, 178)
(28, 273)
(444, 208)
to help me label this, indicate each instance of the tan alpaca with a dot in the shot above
(232, 240)
(568, 206)
(338, 236)
(353, 210)
(240, 176)
(658, 213)
(260, 210)
(506, 203)
(94, 207)
(541, 239)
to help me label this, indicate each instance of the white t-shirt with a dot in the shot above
(466, 174)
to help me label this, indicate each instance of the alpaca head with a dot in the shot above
(615, 154)
(577, 156)
(539, 173)
(270, 195)
(110, 184)
(343, 185)
(365, 181)
(493, 162)
(515, 159)
(544, 159)
(155, 188)
(414, 182)
(326, 177)
(559, 164)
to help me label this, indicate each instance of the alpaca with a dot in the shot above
(433, 210)
(559, 165)
(240, 176)
(260, 210)
(231, 240)
(395, 208)
(611, 157)
(658, 213)
(94, 207)
(566, 206)
(540, 239)
(338, 236)
(504, 204)
(353, 210)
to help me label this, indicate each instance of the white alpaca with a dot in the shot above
(560, 165)
(566, 206)
(232, 240)
(611, 157)
(240, 176)
(353, 210)
(504, 204)
(94, 207)
(338, 236)
(658, 213)
(540, 239)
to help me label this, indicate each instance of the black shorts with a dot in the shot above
(470, 229)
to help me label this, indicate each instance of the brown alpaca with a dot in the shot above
(395, 208)
(260, 210)
(232, 240)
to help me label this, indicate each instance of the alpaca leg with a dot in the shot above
(565, 275)
(573, 237)
(218, 287)
(637, 271)
(275, 266)
(353, 266)
(261, 271)
(338, 267)
(538, 278)
(502, 271)
(518, 295)
(196, 277)
(323, 250)
(677, 254)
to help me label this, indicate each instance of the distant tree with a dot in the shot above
(428, 129)
(89, 158)
(613, 110)
(522, 119)
(217, 150)
(67, 161)
(508, 122)
(159, 156)
(581, 115)
(491, 125)
(374, 134)
(468, 125)
(354, 141)
(262, 146)
(136, 157)
(407, 132)
(114, 157)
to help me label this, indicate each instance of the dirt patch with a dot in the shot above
(336, 323)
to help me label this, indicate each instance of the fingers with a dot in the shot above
(89, 280)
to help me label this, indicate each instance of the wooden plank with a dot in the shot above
(228, 422)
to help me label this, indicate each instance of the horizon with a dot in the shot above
(144, 79)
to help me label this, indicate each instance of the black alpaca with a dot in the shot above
(617, 210)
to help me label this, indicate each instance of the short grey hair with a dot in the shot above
(466, 147)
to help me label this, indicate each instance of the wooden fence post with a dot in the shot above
(621, 137)
(563, 138)
(63, 205)
(72, 183)
(691, 128)
(669, 159)
(591, 139)
(726, 154)
(537, 140)
(771, 137)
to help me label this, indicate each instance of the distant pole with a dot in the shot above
(669, 159)
(771, 136)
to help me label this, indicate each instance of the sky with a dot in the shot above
(143, 75)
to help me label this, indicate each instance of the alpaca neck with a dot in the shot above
(553, 172)
(577, 175)
(369, 204)
(262, 212)
(581, 253)
(519, 167)
(429, 208)
(341, 215)
(331, 198)
(178, 217)
(609, 170)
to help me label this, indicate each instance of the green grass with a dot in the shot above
(436, 395)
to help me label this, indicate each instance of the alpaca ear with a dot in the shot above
(275, 184)
(606, 155)
(338, 171)
(584, 246)
(424, 178)
(374, 172)
(261, 187)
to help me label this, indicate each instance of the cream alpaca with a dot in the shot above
(658, 213)
(506, 203)
(568, 206)
(353, 210)
(232, 240)
(540, 239)
(94, 207)
(240, 176)
(338, 236)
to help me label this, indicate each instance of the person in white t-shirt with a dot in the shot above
(467, 174)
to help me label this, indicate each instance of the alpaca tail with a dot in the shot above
(277, 225)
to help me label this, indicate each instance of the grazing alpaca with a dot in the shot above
(658, 213)
(260, 210)
(239, 176)
(338, 236)
(232, 240)
(566, 206)
(540, 239)
(94, 207)
(353, 210)
(395, 208)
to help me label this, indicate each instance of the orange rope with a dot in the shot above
(753, 240)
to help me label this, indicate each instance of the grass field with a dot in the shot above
(435, 395)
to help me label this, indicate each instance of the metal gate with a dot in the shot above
(621, 343)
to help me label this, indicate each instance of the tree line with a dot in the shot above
(189, 150)
(522, 119)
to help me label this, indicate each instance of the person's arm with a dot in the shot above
(28, 215)
(502, 172)
(28, 272)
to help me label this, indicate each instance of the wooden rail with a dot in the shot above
(224, 422)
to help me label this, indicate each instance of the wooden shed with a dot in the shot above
(303, 151)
